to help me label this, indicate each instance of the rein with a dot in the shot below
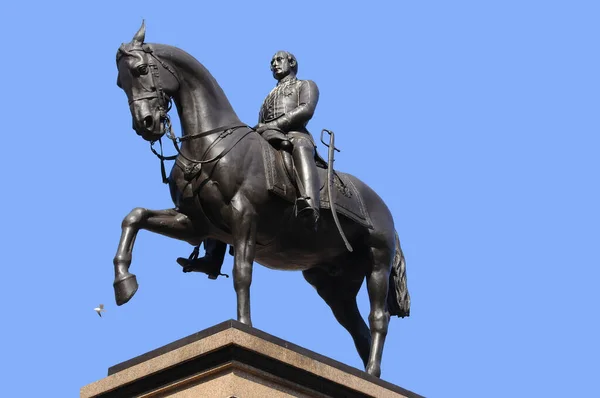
(223, 130)
(169, 131)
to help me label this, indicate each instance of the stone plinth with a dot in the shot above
(234, 360)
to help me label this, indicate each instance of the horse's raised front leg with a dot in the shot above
(244, 244)
(169, 222)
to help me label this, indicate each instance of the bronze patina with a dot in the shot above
(229, 184)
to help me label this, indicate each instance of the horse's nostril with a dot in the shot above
(148, 122)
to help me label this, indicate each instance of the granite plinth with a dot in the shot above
(234, 360)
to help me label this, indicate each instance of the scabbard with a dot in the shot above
(331, 192)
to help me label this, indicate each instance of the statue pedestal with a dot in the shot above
(234, 360)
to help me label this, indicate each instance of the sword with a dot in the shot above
(332, 148)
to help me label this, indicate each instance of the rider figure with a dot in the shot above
(288, 108)
(282, 121)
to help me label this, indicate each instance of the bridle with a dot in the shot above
(156, 89)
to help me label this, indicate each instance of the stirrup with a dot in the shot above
(205, 264)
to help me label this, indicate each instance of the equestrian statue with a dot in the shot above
(263, 190)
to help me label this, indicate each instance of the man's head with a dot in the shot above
(283, 64)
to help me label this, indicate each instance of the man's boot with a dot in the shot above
(212, 261)
(308, 204)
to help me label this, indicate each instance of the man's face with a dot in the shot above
(280, 65)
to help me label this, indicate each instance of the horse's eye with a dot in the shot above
(142, 69)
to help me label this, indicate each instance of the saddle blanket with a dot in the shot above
(348, 201)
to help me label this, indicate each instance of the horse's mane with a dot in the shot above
(189, 65)
(178, 56)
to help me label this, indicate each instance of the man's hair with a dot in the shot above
(292, 59)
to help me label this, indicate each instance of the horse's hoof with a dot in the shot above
(374, 370)
(125, 288)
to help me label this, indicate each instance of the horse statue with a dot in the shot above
(228, 183)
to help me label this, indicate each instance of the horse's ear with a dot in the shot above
(140, 35)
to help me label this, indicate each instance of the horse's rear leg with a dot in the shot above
(169, 222)
(339, 292)
(379, 318)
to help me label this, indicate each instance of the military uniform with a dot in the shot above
(289, 107)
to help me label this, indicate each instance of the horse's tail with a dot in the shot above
(398, 298)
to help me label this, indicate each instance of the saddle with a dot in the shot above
(281, 181)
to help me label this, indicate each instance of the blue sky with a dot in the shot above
(477, 122)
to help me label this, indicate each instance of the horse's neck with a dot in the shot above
(200, 112)
(201, 104)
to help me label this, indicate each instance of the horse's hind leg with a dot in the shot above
(169, 222)
(379, 318)
(339, 292)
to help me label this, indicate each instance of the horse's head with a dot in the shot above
(149, 83)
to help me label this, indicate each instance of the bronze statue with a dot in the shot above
(229, 184)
